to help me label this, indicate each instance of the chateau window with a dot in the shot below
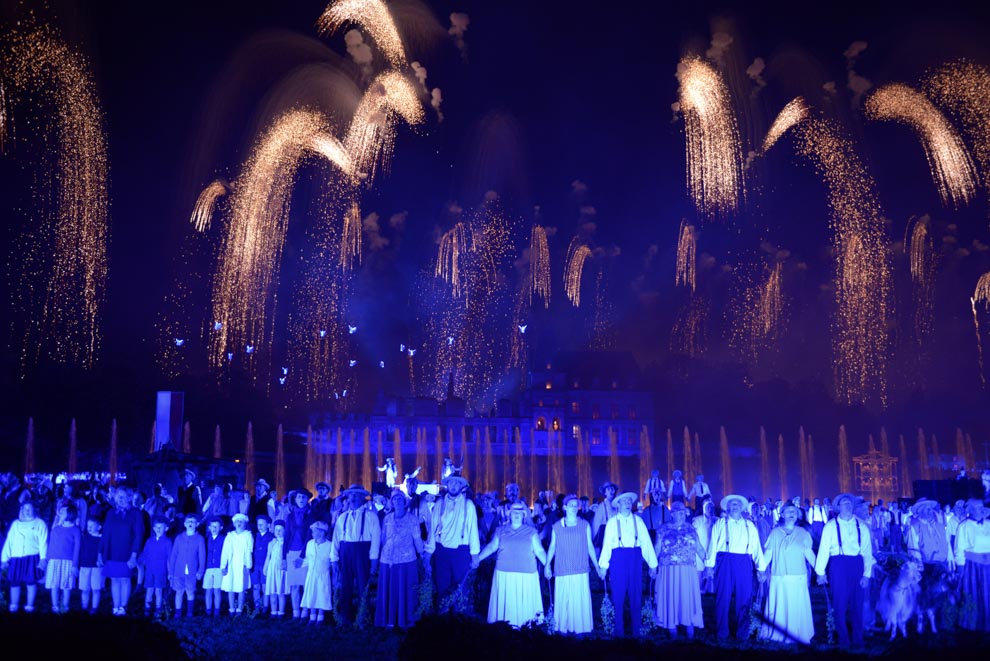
(575, 384)
(596, 437)
(596, 412)
(548, 385)
(576, 408)
(632, 412)
(541, 424)
(615, 411)
(576, 431)
(556, 424)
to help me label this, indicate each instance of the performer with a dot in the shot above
(973, 556)
(354, 549)
(625, 546)
(699, 490)
(391, 472)
(846, 550)
(678, 488)
(655, 487)
(453, 537)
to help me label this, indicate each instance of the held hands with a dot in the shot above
(709, 572)
(822, 579)
(132, 562)
(299, 562)
(475, 561)
(42, 564)
(864, 582)
(761, 576)
(601, 573)
(547, 572)
(653, 573)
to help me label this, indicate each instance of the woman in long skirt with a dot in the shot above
(516, 596)
(317, 597)
(402, 546)
(678, 591)
(571, 546)
(788, 554)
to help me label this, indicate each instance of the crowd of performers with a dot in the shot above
(303, 556)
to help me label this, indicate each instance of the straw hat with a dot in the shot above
(731, 497)
(626, 495)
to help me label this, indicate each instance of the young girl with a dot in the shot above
(63, 557)
(316, 596)
(276, 586)
(236, 558)
(90, 575)
(187, 564)
(25, 552)
(154, 559)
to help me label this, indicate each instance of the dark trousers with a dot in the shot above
(450, 566)
(844, 575)
(625, 573)
(733, 575)
(355, 571)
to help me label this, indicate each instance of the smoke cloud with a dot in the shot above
(458, 26)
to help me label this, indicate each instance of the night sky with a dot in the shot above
(543, 95)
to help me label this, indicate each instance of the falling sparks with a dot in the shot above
(202, 214)
(760, 322)
(922, 262)
(453, 244)
(374, 17)
(949, 161)
(577, 254)
(714, 154)
(350, 239)
(687, 263)
(963, 88)
(539, 264)
(62, 288)
(790, 116)
(980, 295)
(689, 335)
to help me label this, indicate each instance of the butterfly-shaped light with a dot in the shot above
(450, 340)
(412, 352)
(323, 333)
(522, 328)
(285, 370)
(217, 325)
(179, 342)
(230, 355)
(281, 380)
(351, 329)
(249, 348)
(352, 363)
(381, 363)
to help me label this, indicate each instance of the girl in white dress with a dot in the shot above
(317, 598)
(275, 583)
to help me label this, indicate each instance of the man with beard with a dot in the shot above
(453, 544)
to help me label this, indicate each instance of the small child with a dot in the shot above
(276, 587)
(187, 564)
(212, 575)
(261, 540)
(154, 559)
(24, 554)
(317, 598)
(63, 557)
(236, 559)
(90, 575)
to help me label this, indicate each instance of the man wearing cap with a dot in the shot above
(452, 542)
(262, 502)
(190, 495)
(973, 558)
(678, 488)
(320, 508)
(355, 547)
(846, 550)
(656, 514)
(625, 546)
(606, 510)
(817, 516)
(655, 488)
(734, 553)
(699, 490)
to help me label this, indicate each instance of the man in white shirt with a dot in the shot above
(354, 548)
(625, 546)
(846, 550)
(655, 488)
(606, 510)
(973, 558)
(452, 542)
(734, 553)
(817, 517)
(699, 490)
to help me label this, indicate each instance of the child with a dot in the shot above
(90, 575)
(154, 559)
(212, 575)
(316, 591)
(261, 541)
(24, 554)
(276, 587)
(187, 564)
(63, 557)
(236, 560)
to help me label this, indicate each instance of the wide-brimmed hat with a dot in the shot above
(733, 496)
(843, 496)
(608, 484)
(788, 505)
(296, 492)
(189, 471)
(355, 489)
(923, 504)
(451, 480)
(518, 505)
(239, 517)
(262, 482)
(626, 495)
(322, 484)
(678, 506)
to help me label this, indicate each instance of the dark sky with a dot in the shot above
(546, 93)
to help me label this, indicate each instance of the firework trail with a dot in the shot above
(686, 272)
(370, 138)
(251, 253)
(539, 264)
(963, 88)
(790, 116)
(949, 161)
(61, 316)
(689, 334)
(350, 238)
(762, 314)
(980, 295)
(577, 254)
(374, 17)
(714, 151)
(202, 213)
(453, 243)
(922, 260)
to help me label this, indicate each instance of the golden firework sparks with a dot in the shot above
(790, 116)
(980, 295)
(577, 254)
(374, 17)
(922, 263)
(714, 152)
(453, 244)
(202, 213)
(67, 247)
(761, 317)
(350, 238)
(689, 334)
(539, 264)
(687, 263)
(949, 161)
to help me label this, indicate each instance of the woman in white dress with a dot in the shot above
(275, 584)
(788, 554)
(571, 545)
(317, 598)
(236, 558)
(516, 596)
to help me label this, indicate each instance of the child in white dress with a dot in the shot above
(276, 586)
(317, 597)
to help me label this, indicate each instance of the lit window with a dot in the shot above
(632, 412)
(576, 431)
(575, 408)
(541, 424)
(540, 404)
(596, 437)
(575, 383)
(596, 412)
(548, 385)
(556, 424)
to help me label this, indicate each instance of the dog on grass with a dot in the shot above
(898, 600)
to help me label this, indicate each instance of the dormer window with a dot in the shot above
(541, 424)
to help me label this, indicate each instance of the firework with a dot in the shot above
(374, 17)
(370, 137)
(980, 295)
(760, 321)
(687, 263)
(539, 264)
(790, 116)
(714, 152)
(453, 243)
(922, 263)
(202, 214)
(62, 280)
(949, 161)
(577, 254)
(350, 238)
(689, 334)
